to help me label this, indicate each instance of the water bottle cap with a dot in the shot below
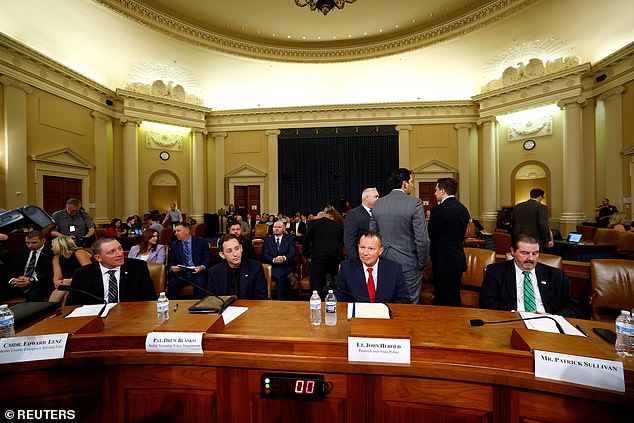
(315, 291)
(3, 306)
(330, 291)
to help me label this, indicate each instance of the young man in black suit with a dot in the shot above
(447, 226)
(524, 284)
(531, 218)
(194, 254)
(111, 277)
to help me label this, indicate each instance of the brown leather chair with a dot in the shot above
(502, 242)
(612, 283)
(157, 273)
(261, 231)
(471, 239)
(477, 260)
(587, 232)
(167, 236)
(605, 236)
(268, 274)
(101, 233)
(547, 259)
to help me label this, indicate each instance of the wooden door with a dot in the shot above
(247, 196)
(57, 190)
(426, 194)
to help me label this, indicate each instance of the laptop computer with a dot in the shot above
(574, 238)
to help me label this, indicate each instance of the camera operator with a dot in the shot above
(74, 222)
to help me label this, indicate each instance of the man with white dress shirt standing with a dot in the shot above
(357, 221)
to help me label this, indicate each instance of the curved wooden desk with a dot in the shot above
(457, 373)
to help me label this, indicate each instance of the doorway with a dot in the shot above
(56, 190)
(247, 197)
(426, 192)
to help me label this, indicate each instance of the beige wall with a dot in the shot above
(433, 142)
(628, 141)
(248, 148)
(3, 180)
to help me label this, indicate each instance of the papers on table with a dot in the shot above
(232, 312)
(91, 310)
(369, 310)
(547, 325)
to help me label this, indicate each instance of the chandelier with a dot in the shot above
(324, 6)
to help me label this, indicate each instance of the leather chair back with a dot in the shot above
(502, 242)
(477, 260)
(612, 283)
(605, 236)
(547, 259)
(157, 273)
(268, 274)
(167, 236)
(261, 231)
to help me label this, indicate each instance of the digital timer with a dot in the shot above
(293, 386)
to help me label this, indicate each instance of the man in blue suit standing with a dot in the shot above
(189, 258)
(279, 251)
(369, 278)
(236, 275)
(358, 221)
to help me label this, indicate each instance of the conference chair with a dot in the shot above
(502, 242)
(167, 236)
(268, 275)
(477, 260)
(547, 259)
(471, 238)
(612, 282)
(261, 231)
(158, 275)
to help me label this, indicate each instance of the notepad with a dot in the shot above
(369, 311)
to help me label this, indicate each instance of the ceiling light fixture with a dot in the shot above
(324, 6)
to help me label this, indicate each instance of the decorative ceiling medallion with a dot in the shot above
(331, 52)
(324, 6)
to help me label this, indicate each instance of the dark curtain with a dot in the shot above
(333, 165)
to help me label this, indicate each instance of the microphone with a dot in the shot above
(68, 288)
(480, 322)
(225, 300)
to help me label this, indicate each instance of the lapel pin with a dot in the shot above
(543, 282)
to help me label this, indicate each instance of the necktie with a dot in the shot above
(30, 267)
(278, 243)
(370, 211)
(113, 290)
(187, 254)
(529, 295)
(371, 290)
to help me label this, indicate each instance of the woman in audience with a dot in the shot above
(68, 257)
(149, 249)
(114, 229)
(618, 223)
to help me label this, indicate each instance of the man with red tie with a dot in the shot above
(370, 278)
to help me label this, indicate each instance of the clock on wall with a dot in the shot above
(164, 155)
(529, 145)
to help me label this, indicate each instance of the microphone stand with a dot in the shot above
(224, 302)
(480, 322)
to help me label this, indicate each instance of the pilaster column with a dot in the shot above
(197, 176)
(272, 135)
(130, 166)
(613, 101)
(464, 166)
(489, 214)
(14, 142)
(572, 211)
(403, 145)
(219, 147)
(101, 122)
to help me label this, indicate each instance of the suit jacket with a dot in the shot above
(156, 256)
(357, 222)
(531, 218)
(447, 226)
(324, 238)
(351, 287)
(270, 251)
(252, 281)
(499, 289)
(38, 290)
(301, 229)
(135, 283)
(201, 254)
(400, 219)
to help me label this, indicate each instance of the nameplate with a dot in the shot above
(32, 348)
(174, 342)
(606, 374)
(379, 350)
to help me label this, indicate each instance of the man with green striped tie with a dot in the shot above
(524, 284)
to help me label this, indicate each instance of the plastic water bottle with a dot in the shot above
(625, 334)
(7, 329)
(331, 309)
(162, 308)
(315, 309)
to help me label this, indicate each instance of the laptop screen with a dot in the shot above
(574, 237)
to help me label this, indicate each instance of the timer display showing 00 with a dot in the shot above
(292, 386)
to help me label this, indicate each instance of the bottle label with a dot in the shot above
(331, 307)
(162, 308)
(621, 328)
(6, 321)
(315, 306)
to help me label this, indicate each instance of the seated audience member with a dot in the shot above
(237, 275)
(68, 258)
(605, 210)
(296, 228)
(73, 221)
(111, 277)
(114, 228)
(269, 223)
(193, 253)
(173, 215)
(278, 250)
(29, 274)
(369, 278)
(149, 249)
(151, 223)
(618, 222)
(247, 246)
(524, 284)
(244, 226)
(133, 223)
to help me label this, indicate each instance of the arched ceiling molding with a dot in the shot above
(340, 51)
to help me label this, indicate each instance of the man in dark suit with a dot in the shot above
(189, 258)
(531, 218)
(247, 246)
(237, 275)
(278, 250)
(30, 273)
(523, 284)
(369, 278)
(400, 219)
(447, 226)
(322, 247)
(358, 221)
(297, 228)
(112, 277)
